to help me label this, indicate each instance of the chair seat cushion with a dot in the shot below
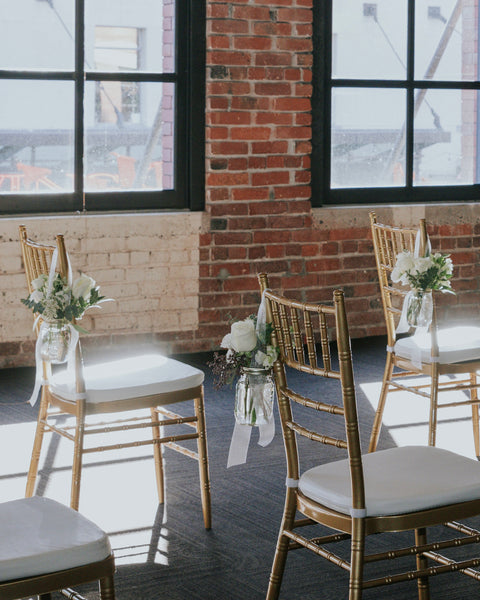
(456, 344)
(39, 536)
(129, 377)
(397, 481)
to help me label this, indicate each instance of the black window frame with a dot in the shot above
(323, 84)
(189, 140)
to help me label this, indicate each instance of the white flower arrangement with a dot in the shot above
(432, 272)
(62, 302)
(246, 348)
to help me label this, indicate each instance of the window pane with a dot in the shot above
(129, 135)
(130, 36)
(367, 138)
(369, 39)
(36, 136)
(445, 138)
(445, 40)
(37, 34)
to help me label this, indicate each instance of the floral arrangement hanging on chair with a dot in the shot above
(250, 357)
(423, 274)
(58, 304)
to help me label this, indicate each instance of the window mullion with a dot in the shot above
(410, 99)
(79, 102)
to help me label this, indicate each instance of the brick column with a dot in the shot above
(258, 147)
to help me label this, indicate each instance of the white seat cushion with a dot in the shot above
(130, 377)
(39, 535)
(397, 481)
(456, 344)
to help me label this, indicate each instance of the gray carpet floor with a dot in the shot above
(232, 561)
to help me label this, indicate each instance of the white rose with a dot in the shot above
(36, 296)
(422, 264)
(39, 282)
(82, 287)
(404, 264)
(243, 336)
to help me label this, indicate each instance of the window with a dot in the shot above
(97, 109)
(395, 105)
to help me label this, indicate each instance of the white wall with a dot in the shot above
(149, 263)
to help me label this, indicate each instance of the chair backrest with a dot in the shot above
(37, 259)
(388, 242)
(304, 334)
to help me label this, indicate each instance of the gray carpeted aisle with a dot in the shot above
(233, 560)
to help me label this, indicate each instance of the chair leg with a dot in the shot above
(357, 557)
(158, 457)
(422, 563)
(37, 445)
(432, 421)
(475, 415)
(203, 461)
(283, 543)
(77, 455)
(377, 422)
(107, 588)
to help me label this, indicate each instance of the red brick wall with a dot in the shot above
(258, 215)
(258, 136)
(258, 142)
(259, 73)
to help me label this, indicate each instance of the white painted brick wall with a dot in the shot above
(149, 263)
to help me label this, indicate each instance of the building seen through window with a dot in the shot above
(397, 100)
(92, 103)
(117, 49)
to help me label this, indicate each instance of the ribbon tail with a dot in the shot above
(416, 354)
(237, 454)
(51, 273)
(428, 247)
(261, 327)
(403, 325)
(267, 432)
(71, 352)
(38, 375)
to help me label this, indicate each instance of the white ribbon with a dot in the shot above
(422, 341)
(428, 247)
(237, 455)
(262, 318)
(358, 513)
(403, 325)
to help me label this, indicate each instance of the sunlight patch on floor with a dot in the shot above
(405, 419)
(118, 490)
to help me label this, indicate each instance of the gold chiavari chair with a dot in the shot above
(393, 490)
(141, 385)
(449, 357)
(47, 547)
